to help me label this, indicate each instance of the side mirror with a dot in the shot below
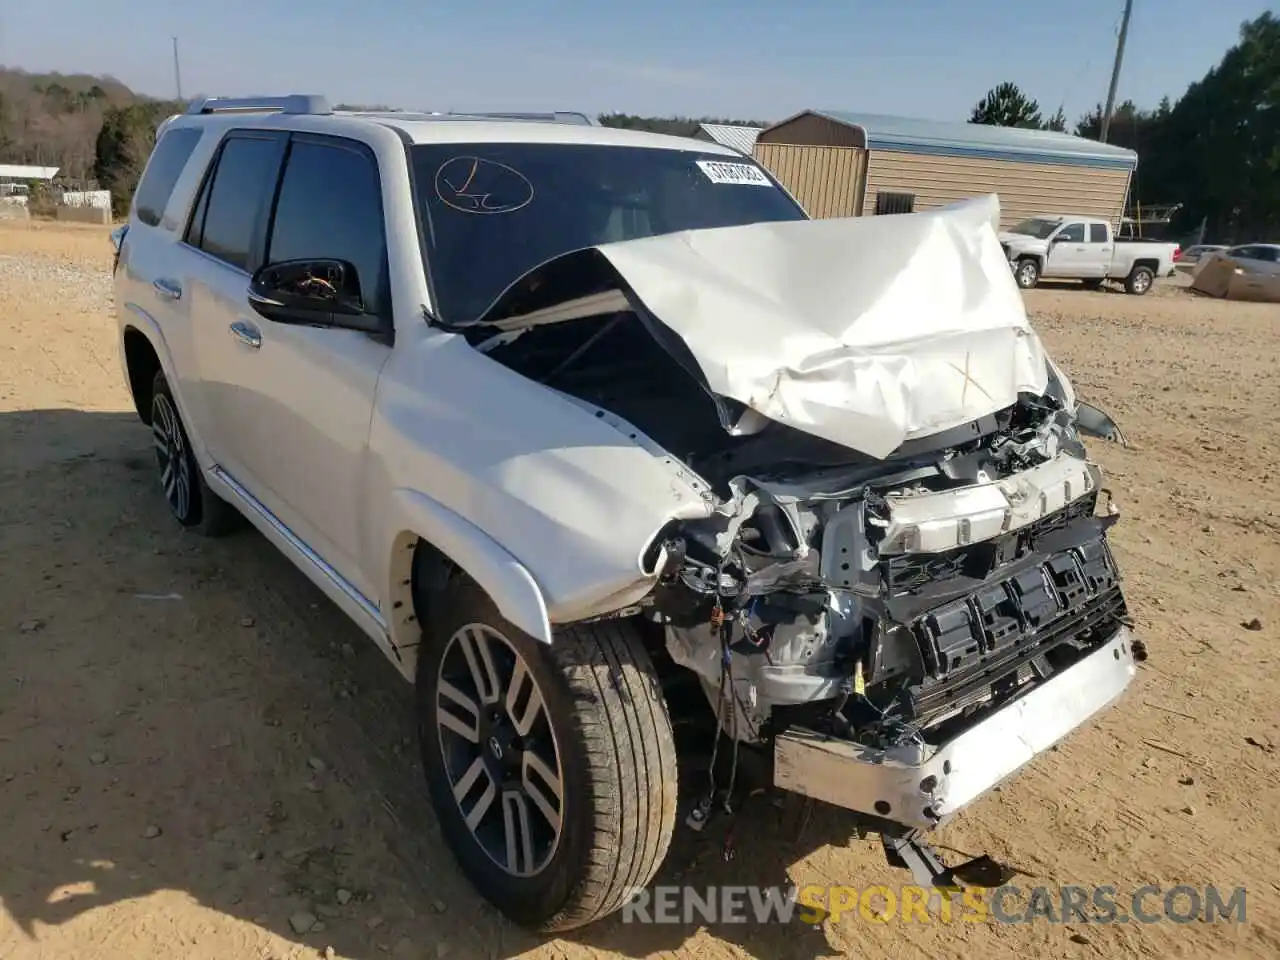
(1095, 423)
(315, 292)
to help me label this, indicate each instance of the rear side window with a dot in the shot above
(1097, 233)
(330, 206)
(167, 161)
(233, 199)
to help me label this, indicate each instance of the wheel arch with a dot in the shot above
(142, 340)
(431, 544)
(141, 364)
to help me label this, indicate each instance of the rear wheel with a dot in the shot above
(190, 500)
(1139, 280)
(1027, 273)
(552, 768)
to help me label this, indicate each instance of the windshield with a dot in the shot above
(491, 212)
(1036, 227)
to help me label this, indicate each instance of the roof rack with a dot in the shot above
(557, 116)
(299, 103)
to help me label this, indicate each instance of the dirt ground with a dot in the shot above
(196, 748)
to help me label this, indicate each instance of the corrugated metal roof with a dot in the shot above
(742, 139)
(977, 140)
(18, 171)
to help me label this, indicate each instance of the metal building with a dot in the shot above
(733, 136)
(840, 164)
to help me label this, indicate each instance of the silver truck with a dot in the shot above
(1058, 247)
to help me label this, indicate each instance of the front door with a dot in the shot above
(1068, 254)
(294, 402)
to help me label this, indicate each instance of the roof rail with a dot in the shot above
(557, 116)
(300, 103)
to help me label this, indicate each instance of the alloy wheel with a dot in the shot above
(171, 456)
(499, 749)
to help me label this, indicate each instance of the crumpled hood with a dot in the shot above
(1021, 238)
(867, 331)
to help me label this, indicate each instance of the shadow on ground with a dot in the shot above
(194, 716)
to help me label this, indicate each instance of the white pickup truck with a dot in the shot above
(1083, 248)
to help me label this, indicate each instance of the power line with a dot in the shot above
(1115, 71)
(177, 71)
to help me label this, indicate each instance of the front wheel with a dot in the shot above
(1139, 281)
(1027, 273)
(552, 768)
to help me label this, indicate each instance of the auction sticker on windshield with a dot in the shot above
(743, 174)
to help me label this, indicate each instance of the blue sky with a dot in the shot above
(749, 58)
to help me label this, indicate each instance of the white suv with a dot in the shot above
(561, 417)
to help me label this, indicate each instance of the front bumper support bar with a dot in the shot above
(922, 785)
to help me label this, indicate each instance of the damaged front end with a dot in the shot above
(903, 589)
(907, 637)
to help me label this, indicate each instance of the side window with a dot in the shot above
(1072, 233)
(330, 206)
(1097, 233)
(168, 158)
(232, 199)
(889, 203)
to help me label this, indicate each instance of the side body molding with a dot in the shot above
(507, 581)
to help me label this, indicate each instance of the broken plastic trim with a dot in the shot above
(1092, 421)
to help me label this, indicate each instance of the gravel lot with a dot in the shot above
(200, 758)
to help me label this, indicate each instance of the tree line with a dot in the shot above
(1215, 150)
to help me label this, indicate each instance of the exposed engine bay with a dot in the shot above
(894, 607)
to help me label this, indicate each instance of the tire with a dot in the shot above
(182, 481)
(1139, 281)
(1027, 273)
(603, 730)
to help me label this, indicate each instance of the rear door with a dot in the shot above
(1101, 250)
(224, 246)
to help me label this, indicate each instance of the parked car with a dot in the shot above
(1083, 248)
(586, 427)
(1193, 254)
(1256, 257)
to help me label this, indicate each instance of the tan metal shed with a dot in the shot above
(839, 164)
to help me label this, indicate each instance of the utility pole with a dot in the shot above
(177, 71)
(1115, 71)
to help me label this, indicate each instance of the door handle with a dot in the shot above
(247, 333)
(168, 289)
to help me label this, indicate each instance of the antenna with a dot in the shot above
(1115, 71)
(177, 71)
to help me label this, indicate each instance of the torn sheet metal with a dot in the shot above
(867, 331)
